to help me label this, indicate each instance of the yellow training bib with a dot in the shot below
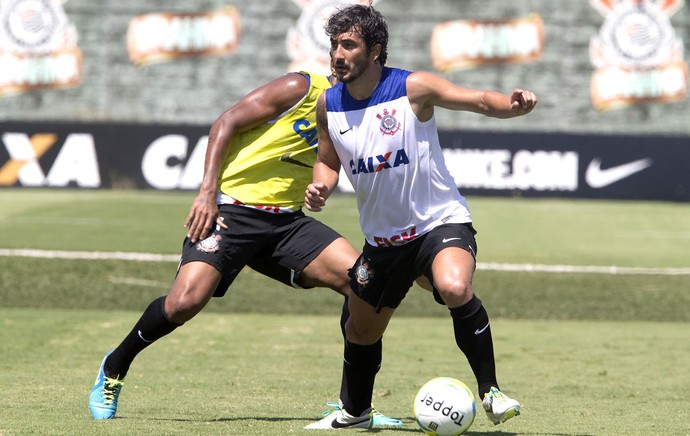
(271, 165)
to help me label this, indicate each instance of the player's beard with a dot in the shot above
(346, 73)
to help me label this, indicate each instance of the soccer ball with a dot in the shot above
(444, 406)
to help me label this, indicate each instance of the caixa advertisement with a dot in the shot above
(167, 157)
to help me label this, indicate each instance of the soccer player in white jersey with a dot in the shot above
(378, 124)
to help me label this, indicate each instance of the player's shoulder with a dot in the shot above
(423, 82)
(288, 87)
(420, 75)
(396, 72)
(297, 79)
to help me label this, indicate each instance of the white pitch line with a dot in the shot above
(137, 282)
(90, 255)
(590, 269)
(487, 266)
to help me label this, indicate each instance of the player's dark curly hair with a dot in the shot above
(366, 21)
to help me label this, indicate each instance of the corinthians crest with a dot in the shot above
(389, 124)
(209, 245)
(637, 56)
(363, 272)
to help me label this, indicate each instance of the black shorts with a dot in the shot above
(383, 275)
(279, 246)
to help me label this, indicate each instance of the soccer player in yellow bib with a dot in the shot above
(258, 162)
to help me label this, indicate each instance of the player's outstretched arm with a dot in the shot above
(426, 90)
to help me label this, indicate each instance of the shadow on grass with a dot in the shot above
(409, 427)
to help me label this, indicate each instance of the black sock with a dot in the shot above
(344, 315)
(473, 336)
(360, 365)
(152, 326)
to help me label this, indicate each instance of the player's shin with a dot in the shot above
(473, 337)
(152, 325)
(360, 366)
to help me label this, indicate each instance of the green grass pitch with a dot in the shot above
(586, 353)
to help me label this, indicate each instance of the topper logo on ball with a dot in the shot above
(455, 415)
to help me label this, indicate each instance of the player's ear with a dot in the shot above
(375, 52)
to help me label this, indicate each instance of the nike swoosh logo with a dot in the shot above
(480, 331)
(598, 178)
(338, 424)
(142, 338)
(342, 132)
(287, 159)
(450, 239)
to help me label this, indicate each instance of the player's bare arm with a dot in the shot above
(426, 90)
(261, 105)
(327, 166)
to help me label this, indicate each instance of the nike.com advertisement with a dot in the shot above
(568, 165)
(132, 156)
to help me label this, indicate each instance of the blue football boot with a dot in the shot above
(103, 398)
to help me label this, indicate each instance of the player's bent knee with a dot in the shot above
(455, 293)
(182, 308)
(362, 335)
(357, 336)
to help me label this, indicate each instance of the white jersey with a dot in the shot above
(394, 161)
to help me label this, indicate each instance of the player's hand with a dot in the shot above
(522, 102)
(315, 196)
(202, 216)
